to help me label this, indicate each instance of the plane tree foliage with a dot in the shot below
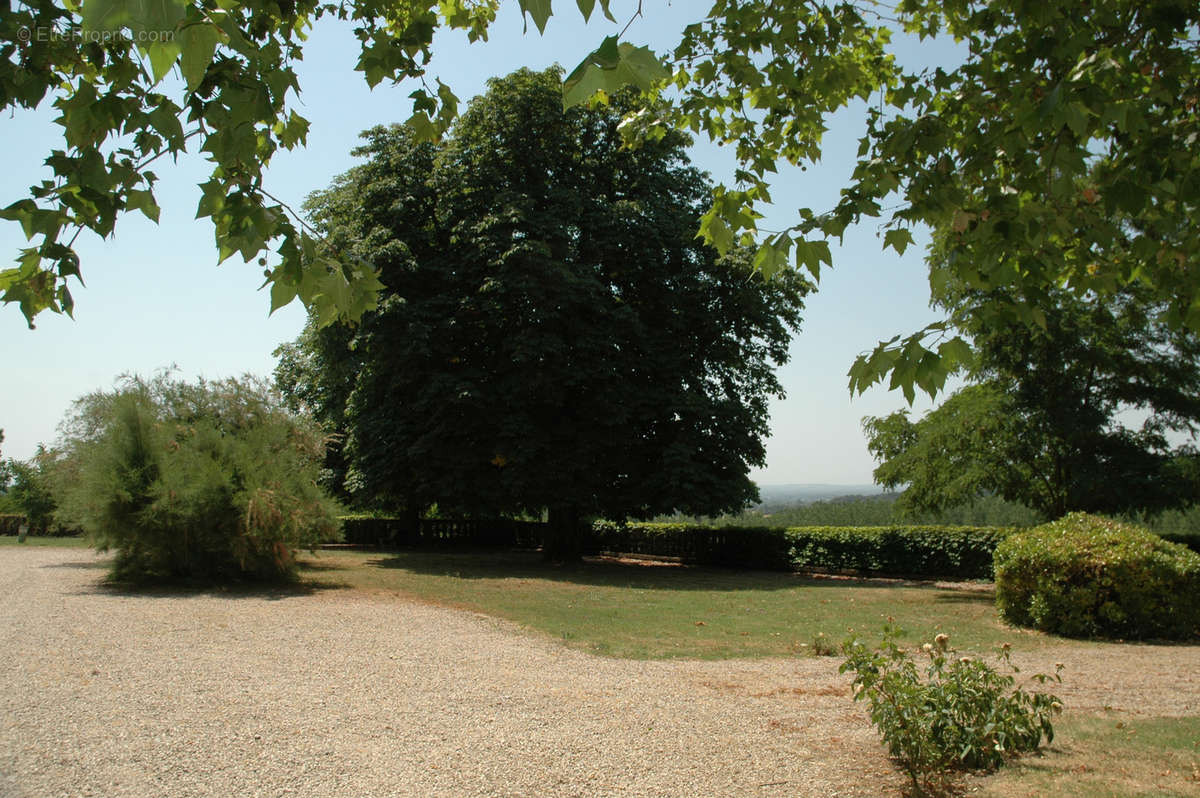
(1061, 153)
(553, 335)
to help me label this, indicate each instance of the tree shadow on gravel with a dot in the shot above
(272, 591)
(249, 590)
(79, 565)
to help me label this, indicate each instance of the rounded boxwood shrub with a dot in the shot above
(1086, 576)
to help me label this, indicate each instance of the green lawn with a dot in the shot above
(655, 612)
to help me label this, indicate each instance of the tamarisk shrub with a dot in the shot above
(207, 481)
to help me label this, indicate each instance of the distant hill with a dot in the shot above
(791, 495)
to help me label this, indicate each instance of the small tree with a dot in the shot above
(207, 481)
(30, 492)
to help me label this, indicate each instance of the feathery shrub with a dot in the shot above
(208, 481)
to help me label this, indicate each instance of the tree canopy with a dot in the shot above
(553, 335)
(1061, 154)
(1042, 424)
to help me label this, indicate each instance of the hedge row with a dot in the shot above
(10, 524)
(947, 551)
(960, 552)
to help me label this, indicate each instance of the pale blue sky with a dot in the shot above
(155, 297)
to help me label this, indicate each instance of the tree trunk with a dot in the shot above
(562, 539)
(409, 532)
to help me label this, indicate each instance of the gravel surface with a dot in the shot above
(338, 693)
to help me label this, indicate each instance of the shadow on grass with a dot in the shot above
(953, 596)
(595, 572)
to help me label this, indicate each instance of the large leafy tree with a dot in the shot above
(554, 335)
(1042, 422)
(1062, 118)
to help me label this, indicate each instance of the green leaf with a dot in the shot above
(716, 232)
(102, 15)
(293, 132)
(422, 127)
(162, 58)
(8, 278)
(22, 211)
(611, 67)
(898, 239)
(197, 43)
(955, 353)
(157, 17)
(1050, 102)
(811, 254)
(539, 11)
(1077, 119)
(582, 84)
(772, 256)
(282, 292)
(142, 201)
(585, 8)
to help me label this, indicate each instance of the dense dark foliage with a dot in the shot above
(553, 336)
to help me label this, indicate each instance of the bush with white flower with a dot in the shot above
(961, 714)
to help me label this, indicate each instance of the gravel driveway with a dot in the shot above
(338, 693)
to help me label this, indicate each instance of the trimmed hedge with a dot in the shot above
(950, 551)
(1086, 576)
(946, 551)
(959, 552)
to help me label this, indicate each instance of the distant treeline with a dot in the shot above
(881, 511)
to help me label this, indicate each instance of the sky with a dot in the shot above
(154, 297)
